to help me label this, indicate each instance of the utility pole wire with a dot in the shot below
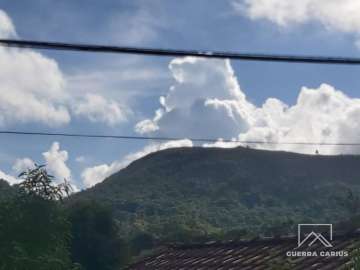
(176, 53)
(203, 140)
(179, 53)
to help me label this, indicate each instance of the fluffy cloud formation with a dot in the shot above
(205, 92)
(56, 162)
(7, 28)
(97, 174)
(23, 164)
(98, 109)
(19, 166)
(207, 101)
(9, 178)
(335, 15)
(322, 115)
(31, 85)
(33, 89)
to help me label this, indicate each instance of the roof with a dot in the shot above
(274, 253)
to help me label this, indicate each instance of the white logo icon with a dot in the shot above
(311, 233)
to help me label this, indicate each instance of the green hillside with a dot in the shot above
(6, 191)
(187, 193)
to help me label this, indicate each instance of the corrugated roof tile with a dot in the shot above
(259, 254)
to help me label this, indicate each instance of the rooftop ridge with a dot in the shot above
(256, 241)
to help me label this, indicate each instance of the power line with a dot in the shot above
(179, 53)
(176, 53)
(203, 140)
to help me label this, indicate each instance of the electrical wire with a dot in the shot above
(203, 140)
(176, 53)
(179, 53)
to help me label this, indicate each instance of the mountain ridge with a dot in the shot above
(217, 190)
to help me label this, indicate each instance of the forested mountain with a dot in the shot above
(6, 190)
(186, 193)
(177, 195)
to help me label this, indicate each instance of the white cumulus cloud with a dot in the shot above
(98, 109)
(56, 162)
(7, 29)
(9, 178)
(206, 101)
(23, 164)
(322, 115)
(334, 15)
(31, 84)
(205, 92)
(93, 175)
(33, 89)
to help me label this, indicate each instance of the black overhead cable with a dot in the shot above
(177, 53)
(203, 140)
(171, 52)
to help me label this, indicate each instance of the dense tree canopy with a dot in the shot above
(39, 232)
(34, 230)
(176, 195)
(191, 194)
(96, 243)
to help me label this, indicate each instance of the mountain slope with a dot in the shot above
(202, 191)
(6, 191)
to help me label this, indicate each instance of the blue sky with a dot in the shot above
(126, 89)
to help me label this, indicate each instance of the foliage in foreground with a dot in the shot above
(95, 243)
(34, 230)
(37, 231)
(185, 196)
